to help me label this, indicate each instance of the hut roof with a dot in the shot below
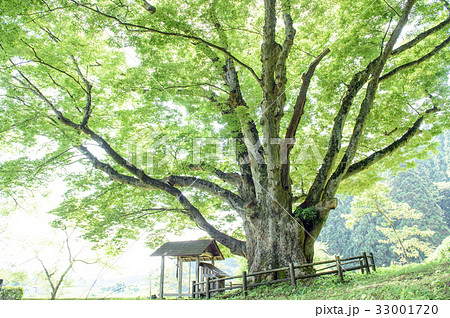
(218, 272)
(206, 250)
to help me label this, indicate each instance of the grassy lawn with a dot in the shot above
(415, 281)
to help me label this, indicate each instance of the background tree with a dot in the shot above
(424, 189)
(443, 182)
(442, 252)
(404, 239)
(57, 274)
(373, 74)
(362, 236)
(414, 186)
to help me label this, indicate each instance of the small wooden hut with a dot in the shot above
(200, 251)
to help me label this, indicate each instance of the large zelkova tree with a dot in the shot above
(362, 84)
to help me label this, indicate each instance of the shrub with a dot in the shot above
(442, 252)
(11, 293)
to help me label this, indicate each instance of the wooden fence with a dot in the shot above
(339, 266)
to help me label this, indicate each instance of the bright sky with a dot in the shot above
(28, 230)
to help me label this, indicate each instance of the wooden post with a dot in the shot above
(197, 269)
(373, 261)
(189, 279)
(292, 274)
(339, 267)
(207, 287)
(366, 262)
(361, 263)
(244, 283)
(161, 279)
(193, 289)
(180, 277)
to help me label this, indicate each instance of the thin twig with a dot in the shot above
(387, 3)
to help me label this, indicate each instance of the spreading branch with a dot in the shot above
(421, 37)
(334, 145)
(301, 98)
(180, 87)
(147, 6)
(111, 172)
(247, 128)
(236, 246)
(141, 28)
(391, 7)
(250, 135)
(325, 178)
(231, 178)
(380, 154)
(416, 62)
(145, 181)
(88, 88)
(39, 60)
(289, 32)
(141, 179)
(366, 105)
(236, 100)
(55, 285)
(209, 187)
(297, 114)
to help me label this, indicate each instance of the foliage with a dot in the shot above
(404, 239)
(309, 216)
(12, 277)
(11, 293)
(421, 187)
(444, 200)
(442, 252)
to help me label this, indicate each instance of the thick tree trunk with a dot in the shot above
(276, 238)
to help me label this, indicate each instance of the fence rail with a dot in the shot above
(365, 262)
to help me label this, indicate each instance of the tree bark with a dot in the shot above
(276, 238)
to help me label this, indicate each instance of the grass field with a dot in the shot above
(416, 281)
